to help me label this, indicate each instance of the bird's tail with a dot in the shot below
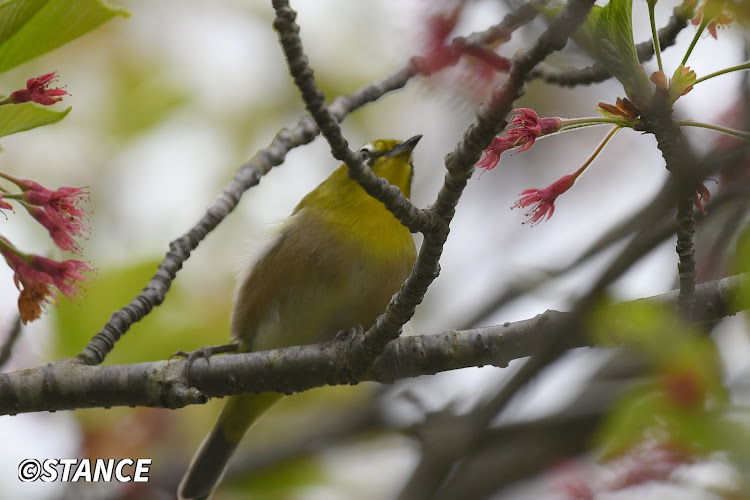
(207, 466)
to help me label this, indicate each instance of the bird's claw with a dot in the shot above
(350, 334)
(203, 353)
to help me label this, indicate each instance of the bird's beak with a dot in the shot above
(404, 147)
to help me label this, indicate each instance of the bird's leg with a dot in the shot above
(350, 334)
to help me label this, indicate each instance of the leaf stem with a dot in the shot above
(574, 123)
(598, 150)
(655, 35)
(740, 134)
(698, 34)
(739, 67)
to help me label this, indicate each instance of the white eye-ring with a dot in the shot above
(366, 152)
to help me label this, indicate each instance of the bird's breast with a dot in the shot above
(319, 278)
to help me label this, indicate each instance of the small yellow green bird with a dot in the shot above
(335, 265)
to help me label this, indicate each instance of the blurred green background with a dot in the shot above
(169, 103)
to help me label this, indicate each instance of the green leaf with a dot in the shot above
(14, 14)
(607, 35)
(628, 68)
(631, 415)
(29, 29)
(595, 37)
(740, 263)
(682, 392)
(682, 82)
(19, 117)
(621, 32)
(643, 324)
(589, 33)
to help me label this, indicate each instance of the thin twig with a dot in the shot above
(686, 255)
(13, 335)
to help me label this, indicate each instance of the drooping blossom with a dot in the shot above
(702, 195)
(492, 154)
(648, 460)
(66, 274)
(527, 126)
(58, 211)
(4, 205)
(37, 90)
(439, 53)
(62, 205)
(35, 277)
(524, 129)
(60, 230)
(541, 202)
(718, 19)
(64, 200)
(684, 387)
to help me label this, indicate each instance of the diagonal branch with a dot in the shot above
(248, 176)
(377, 187)
(460, 166)
(7, 348)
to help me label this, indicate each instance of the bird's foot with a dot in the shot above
(203, 353)
(350, 334)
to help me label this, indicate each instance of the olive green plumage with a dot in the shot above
(336, 263)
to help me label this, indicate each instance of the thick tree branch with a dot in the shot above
(682, 164)
(686, 255)
(67, 385)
